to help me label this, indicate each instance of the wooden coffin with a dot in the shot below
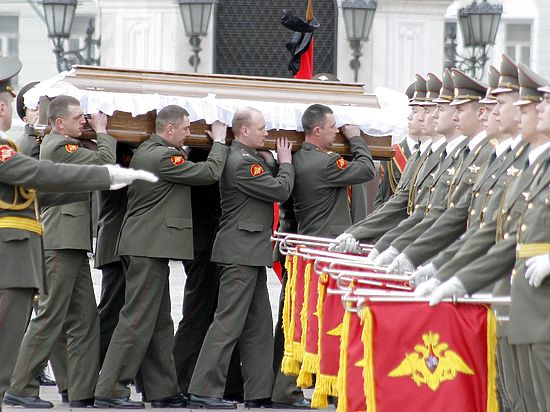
(123, 126)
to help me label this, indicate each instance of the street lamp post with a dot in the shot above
(479, 25)
(59, 16)
(358, 17)
(196, 17)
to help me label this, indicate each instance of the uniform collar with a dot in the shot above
(503, 146)
(425, 145)
(437, 144)
(535, 153)
(410, 143)
(238, 145)
(477, 139)
(516, 141)
(451, 146)
(3, 135)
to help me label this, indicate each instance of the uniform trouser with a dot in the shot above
(58, 355)
(539, 359)
(520, 356)
(15, 312)
(70, 303)
(284, 386)
(200, 298)
(508, 377)
(110, 303)
(144, 335)
(243, 315)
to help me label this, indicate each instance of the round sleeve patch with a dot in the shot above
(177, 160)
(71, 148)
(6, 153)
(341, 163)
(256, 170)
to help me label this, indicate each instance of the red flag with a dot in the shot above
(429, 359)
(306, 63)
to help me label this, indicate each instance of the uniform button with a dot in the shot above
(430, 206)
(484, 210)
(473, 212)
(432, 189)
(493, 177)
(514, 272)
(523, 227)
(491, 191)
(509, 218)
(530, 206)
(451, 204)
(506, 236)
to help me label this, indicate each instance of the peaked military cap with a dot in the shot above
(467, 89)
(446, 94)
(544, 89)
(493, 75)
(508, 81)
(529, 83)
(410, 91)
(19, 102)
(420, 91)
(433, 86)
(9, 67)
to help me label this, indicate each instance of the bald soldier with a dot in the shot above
(20, 229)
(248, 189)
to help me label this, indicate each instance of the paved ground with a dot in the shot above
(177, 282)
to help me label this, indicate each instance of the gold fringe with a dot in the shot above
(368, 370)
(343, 369)
(290, 364)
(305, 308)
(310, 365)
(319, 400)
(492, 402)
(327, 384)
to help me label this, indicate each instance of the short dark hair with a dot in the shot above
(243, 117)
(315, 116)
(59, 107)
(172, 114)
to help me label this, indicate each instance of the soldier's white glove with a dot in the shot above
(538, 269)
(121, 176)
(401, 263)
(373, 255)
(345, 243)
(448, 289)
(422, 274)
(386, 257)
(426, 288)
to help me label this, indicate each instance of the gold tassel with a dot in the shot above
(305, 378)
(343, 369)
(368, 370)
(289, 364)
(492, 402)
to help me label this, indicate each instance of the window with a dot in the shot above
(450, 44)
(9, 38)
(518, 42)
(77, 40)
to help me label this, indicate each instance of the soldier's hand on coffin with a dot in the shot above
(284, 150)
(422, 274)
(350, 131)
(401, 263)
(98, 122)
(538, 269)
(218, 132)
(426, 288)
(374, 253)
(121, 177)
(451, 288)
(386, 257)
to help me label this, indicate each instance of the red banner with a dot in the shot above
(420, 358)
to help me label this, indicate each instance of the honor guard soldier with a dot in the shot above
(248, 189)
(390, 171)
(28, 143)
(395, 210)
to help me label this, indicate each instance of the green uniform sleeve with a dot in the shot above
(263, 185)
(75, 154)
(174, 168)
(340, 172)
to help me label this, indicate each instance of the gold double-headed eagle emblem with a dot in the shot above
(431, 363)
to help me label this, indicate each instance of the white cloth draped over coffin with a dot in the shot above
(388, 120)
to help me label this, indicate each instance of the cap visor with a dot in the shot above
(544, 89)
(499, 90)
(440, 100)
(488, 101)
(458, 102)
(523, 102)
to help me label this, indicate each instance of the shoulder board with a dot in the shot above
(327, 152)
(493, 142)
(244, 153)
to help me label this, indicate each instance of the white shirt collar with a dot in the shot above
(535, 153)
(477, 139)
(503, 146)
(425, 144)
(451, 146)
(436, 145)
(410, 143)
(3, 134)
(515, 141)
